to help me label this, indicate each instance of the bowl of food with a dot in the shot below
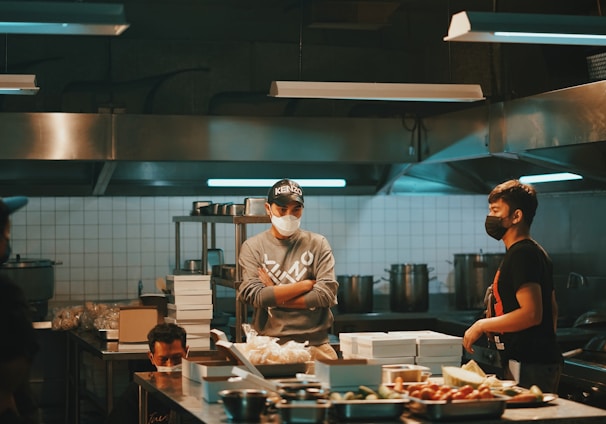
(244, 405)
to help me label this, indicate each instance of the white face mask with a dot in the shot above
(286, 225)
(169, 369)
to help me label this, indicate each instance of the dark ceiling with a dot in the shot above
(219, 57)
(214, 59)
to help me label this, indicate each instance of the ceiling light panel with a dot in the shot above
(58, 18)
(18, 84)
(377, 91)
(492, 27)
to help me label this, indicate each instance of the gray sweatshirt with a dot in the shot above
(303, 256)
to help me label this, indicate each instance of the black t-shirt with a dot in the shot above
(126, 408)
(527, 262)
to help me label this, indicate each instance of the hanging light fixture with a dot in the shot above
(58, 18)
(495, 27)
(377, 91)
(18, 84)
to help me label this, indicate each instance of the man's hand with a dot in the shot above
(472, 334)
(265, 278)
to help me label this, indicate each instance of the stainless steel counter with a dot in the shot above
(185, 396)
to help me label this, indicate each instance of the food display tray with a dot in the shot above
(437, 410)
(354, 410)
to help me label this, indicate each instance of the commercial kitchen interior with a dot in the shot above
(181, 60)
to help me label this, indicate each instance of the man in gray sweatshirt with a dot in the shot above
(288, 275)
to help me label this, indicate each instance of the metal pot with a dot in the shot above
(355, 293)
(409, 288)
(473, 274)
(35, 276)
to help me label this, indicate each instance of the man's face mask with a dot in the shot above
(494, 227)
(286, 225)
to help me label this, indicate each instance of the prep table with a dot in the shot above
(185, 397)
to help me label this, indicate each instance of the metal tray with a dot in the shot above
(437, 410)
(379, 409)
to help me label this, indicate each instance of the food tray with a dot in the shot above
(353, 410)
(436, 410)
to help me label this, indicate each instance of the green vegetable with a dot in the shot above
(365, 391)
(535, 390)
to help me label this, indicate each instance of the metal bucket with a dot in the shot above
(473, 274)
(409, 288)
(355, 294)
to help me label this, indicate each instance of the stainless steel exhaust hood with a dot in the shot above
(104, 154)
(56, 154)
(472, 150)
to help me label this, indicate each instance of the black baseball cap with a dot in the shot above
(285, 191)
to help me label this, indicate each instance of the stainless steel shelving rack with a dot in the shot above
(240, 222)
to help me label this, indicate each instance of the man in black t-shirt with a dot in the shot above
(523, 318)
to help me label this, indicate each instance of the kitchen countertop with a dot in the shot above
(185, 396)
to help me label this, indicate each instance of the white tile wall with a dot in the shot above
(106, 245)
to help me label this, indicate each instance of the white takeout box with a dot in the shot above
(348, 342)
(197, 368)
(347, 374)
(386, 346)
(433, 343)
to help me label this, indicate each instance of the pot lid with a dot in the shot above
(20, 262)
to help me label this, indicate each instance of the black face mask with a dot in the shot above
(494, 227)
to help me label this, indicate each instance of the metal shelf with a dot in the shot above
(240, 222)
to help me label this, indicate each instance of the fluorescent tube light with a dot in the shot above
(377, 91)
(491, 27)
(314, 182)
(548, 178)
(62, 18)
(18, 84)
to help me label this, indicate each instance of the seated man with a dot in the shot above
(167, 346)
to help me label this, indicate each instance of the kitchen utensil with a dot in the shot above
(191, 265)
(212, 209)
(362, 409)
(303, 412)
(591, 319)
(355, 293)
(473, 274)
(197, 205)
(254, 206)
(223, 209)
(244, 405)
(409, 287)
(36, 277)
(408, 373)
(234, 209)
(228, 272)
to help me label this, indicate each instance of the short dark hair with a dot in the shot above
(517, 195)
(166, 333)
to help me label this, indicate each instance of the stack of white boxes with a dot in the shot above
(434, 349)
(428, 348)
(378, 348)
(190, 306)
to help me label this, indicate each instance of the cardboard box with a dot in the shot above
(386, 346)
(197, 369)
(347, 374)
(135, 322)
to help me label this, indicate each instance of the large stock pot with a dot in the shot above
(408, 287)
(473, 274)
(355, 294)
